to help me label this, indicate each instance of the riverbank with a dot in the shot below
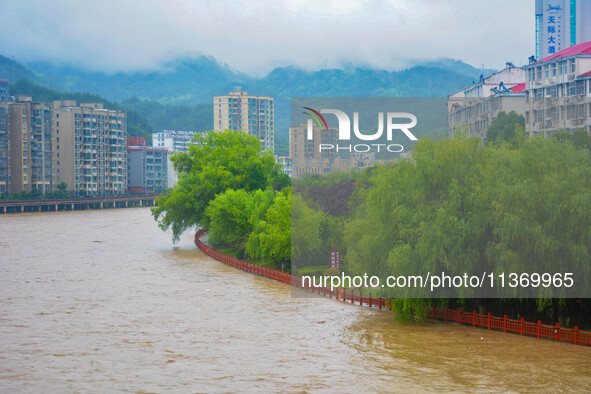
(489, 322)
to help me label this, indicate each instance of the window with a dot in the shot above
(572, 89)
(539, 72)
(571, 112)
(546, 67)
(553, 69)
(573, 66)
(540, 116)
(582, 111)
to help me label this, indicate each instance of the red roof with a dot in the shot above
(137, 141)
(579, 49)
(585, 75)
(518, 88)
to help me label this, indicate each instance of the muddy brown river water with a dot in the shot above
(103, 301)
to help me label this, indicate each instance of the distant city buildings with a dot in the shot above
(561, 24)
(147, 167)
(239, 111)
(4, 93)
(474, 108)
(4, 153)
(555, 95)
(287, 164)
(307, 158)
(45, 144)
(174, 141)
(559, 92)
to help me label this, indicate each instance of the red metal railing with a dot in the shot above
(521, 327)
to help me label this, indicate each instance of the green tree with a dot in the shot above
(307, 246)
(233, 214)
(579, 138)
(215, 163)
(272, 236)
(505, 127)
(62, 188)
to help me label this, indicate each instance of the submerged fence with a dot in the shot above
(521, 327)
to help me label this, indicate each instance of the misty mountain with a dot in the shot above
(179, 94)
(13, 71)
(186, 81)
(197, 80)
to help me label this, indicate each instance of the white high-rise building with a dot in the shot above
(561, 24)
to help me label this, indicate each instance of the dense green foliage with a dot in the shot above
(459, 206)
(172, 116)
(271, 235)
(504, 127)
(581, 139)
(216, 163)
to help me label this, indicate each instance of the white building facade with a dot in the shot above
(559, 92)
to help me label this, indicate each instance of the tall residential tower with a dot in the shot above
(252, 114)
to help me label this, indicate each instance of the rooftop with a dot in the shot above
(518, 88)
(579, 49)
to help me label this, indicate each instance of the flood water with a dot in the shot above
(103, 301)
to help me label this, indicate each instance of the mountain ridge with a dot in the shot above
(180, 93)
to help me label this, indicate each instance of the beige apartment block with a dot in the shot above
(473, 108)
(29, 153)
(239, 111)
(4, 147)
(476, 114)
(90, 148)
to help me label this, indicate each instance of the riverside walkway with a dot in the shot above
(76, 204)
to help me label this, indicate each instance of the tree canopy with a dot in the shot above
(215, 163)
(505, 127)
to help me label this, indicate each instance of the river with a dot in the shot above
(103, 301)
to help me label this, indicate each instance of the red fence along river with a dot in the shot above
(521, 327)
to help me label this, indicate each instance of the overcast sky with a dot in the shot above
(254, 36)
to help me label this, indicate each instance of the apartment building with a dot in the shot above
(286, 162)
(4, 148)
(4, 93)
(473, 108)
(239, 111)
(27, 157)
(307, 158)
(90, 148)
(559, 92)
(174, 141)
(147, 170)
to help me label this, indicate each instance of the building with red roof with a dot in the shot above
(558, 90)
(473, 108)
